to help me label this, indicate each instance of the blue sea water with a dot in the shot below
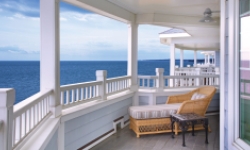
(24, 76)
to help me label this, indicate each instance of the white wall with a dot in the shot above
(82, 130)
(52, 145)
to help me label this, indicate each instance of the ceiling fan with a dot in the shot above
(208, 16)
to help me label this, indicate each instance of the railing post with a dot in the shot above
(160, 79)
(217, 72)
(101, 75)
(7, 98)
(197, 73)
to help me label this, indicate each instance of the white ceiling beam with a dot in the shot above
(210, 39)
(104, 8)
(173, 20)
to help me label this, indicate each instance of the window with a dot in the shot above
(244, 69)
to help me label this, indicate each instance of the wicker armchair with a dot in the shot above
(198, 106)
(162, 125)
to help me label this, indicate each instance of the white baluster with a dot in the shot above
(67, 97)
(77, 95)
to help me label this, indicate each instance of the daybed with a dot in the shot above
(156, 118)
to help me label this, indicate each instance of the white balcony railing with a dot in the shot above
(115, 85)
(196, 71)
(190, 79)
(28, 114)
(147, 81)
(73, 94)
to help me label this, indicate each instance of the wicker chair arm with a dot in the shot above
(194, 106)
(179, 98)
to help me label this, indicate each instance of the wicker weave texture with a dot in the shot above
(162, 125)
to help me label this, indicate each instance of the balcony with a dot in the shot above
(110, 97)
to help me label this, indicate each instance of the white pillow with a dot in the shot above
(194, 96)
(197, 96)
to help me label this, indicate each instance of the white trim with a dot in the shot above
(174, 35)
(236, 74)
(239, 143)
(61, 136)
(222, 74)
(108, 135)
(41, 137)
(82, 109)
(231, 74)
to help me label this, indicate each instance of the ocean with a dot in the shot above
(24, 76)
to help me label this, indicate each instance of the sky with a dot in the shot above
(83, 35)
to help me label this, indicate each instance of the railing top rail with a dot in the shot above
(78, 85)
(119, 78)
(27, 103)
(191, 76)
(146, 76)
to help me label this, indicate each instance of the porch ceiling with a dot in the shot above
(180, 14)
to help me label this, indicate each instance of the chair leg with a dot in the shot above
(176, 128)
(209, 129)
(138, 135)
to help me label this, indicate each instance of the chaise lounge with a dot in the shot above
(156, 118)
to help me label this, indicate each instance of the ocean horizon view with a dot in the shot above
(24, 76)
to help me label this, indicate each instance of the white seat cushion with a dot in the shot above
(197, 96)
(153, 111)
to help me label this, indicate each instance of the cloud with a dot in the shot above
(63, 19)
(12, 49)
(31, 8)
(24, 7)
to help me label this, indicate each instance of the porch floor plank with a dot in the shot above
(125, 139)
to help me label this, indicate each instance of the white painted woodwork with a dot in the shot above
(28, 114)
(116, 85)
(178, 7)
(50, 52)
(181, 57)
(132, 64)
(101, 76)
(87, 127)
(74, 94)
(172, 58)
(147, 81)
(160, 78)
(192, 77)
(7, 99)
(195, 58)
(105, 8)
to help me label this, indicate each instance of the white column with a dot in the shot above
(172, 64)
(132, 54)
(181, 58)
(101, 75)
(7, 99)
(205, 59)
(160, 79)
(208, 58)
(195, 58)
(172, 59)
(50, 52)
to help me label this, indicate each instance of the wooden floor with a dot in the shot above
(125, 139)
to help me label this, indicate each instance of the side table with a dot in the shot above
(185, 120)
